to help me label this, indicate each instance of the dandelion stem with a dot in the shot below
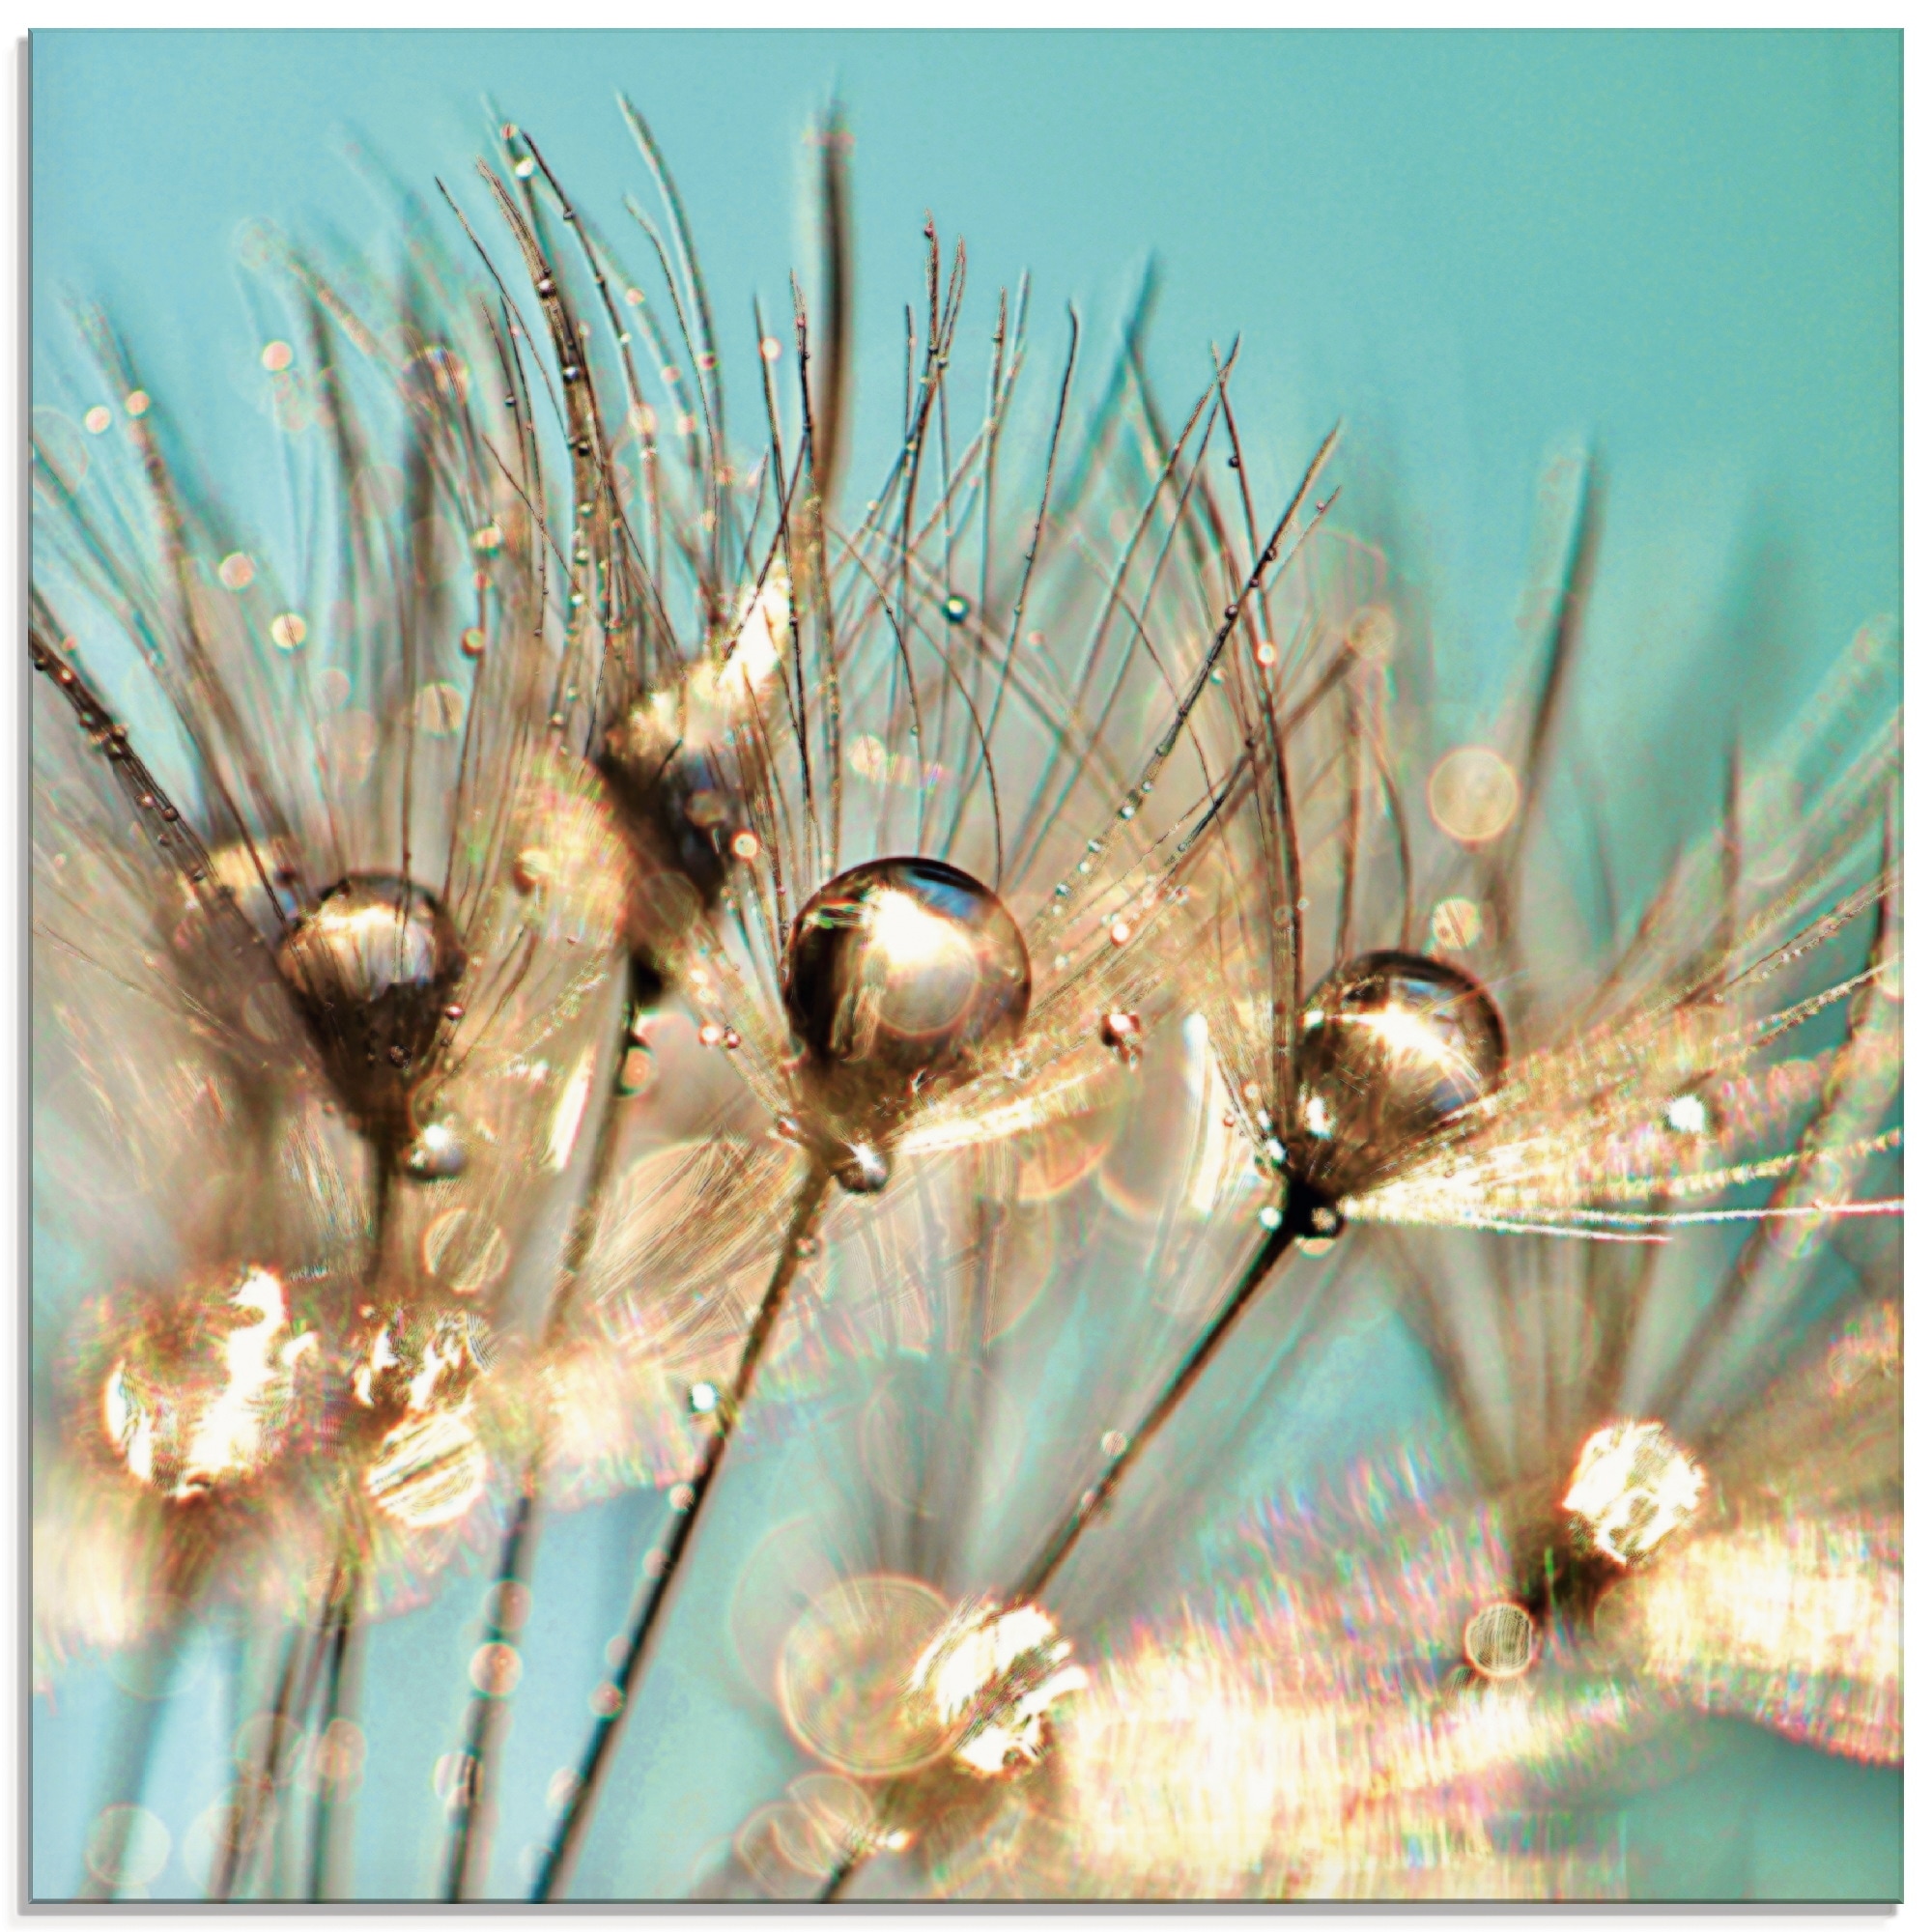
(336, 1701)
(239, 1841)
(468, 1851)
(468, 1832)
(570, 1828)
(1060, 1546)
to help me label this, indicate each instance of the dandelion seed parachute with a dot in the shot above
(676, 715)
(828, 633)
(310, 867)
(1314, 1725)
(1725, 949)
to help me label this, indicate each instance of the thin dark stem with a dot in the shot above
(470, 1828)
(307, 1649)
(1060, 1546)
(656, 1591)
(343, 1583)
(834, 1886)
(468, 1853)
(335, 1700)
(239, 1842)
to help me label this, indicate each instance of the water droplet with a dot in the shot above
(956, 609)
(1473, 794)
(903, 976)
(436, 1153)
(1456, 924)
(1392, 1045)
(496, 1669)
(1122, 1033)
(639, 1071)
(1501, 1640)
(862, 1170)
(371, 969)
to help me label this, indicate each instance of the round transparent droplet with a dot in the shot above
(1499, 1641)
(902, 976)
(1392, 1045)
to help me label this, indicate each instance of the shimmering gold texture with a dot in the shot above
(665, 762)
(994, 1676)
(1632, 1487)
(201, 1400)
(622, 837)
(902, 976)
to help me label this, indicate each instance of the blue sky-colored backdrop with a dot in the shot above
(1475, 248)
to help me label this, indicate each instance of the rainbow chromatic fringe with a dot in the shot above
(598, 960)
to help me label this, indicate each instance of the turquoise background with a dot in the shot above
(1478, 250)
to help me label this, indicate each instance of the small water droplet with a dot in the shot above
(494, 1669)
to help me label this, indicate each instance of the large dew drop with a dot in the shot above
(373, 969)
(1392, 1045)
(902, 976)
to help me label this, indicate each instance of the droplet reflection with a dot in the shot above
(1632, 1487)
(902, 976)
(200, 1397)
(373, 968)
(1392, 1045)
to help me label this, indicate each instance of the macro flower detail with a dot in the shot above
(862, 1097)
